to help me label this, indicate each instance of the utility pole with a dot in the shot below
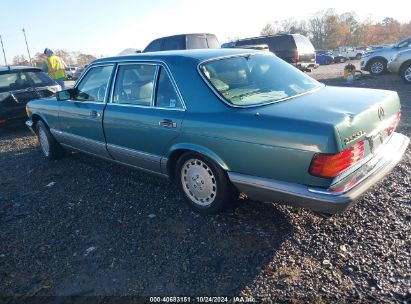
(4, 53)
(28, 51)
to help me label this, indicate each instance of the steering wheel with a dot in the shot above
(101, 92)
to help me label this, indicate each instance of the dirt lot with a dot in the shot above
(81, 226)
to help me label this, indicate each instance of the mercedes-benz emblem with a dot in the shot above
(381, 113)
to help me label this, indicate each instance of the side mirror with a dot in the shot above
(65, 95)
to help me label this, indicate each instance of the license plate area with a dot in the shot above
(375, 143)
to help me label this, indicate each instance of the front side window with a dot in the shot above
(93, 86)
(256, 79)
(134, 84)
(166, 96)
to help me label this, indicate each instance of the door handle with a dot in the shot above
(167, 123)
(95, 114)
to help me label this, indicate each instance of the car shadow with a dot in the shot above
(92, 227)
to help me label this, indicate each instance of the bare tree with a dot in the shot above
(83, 59)
(267, 30)
(20, 60)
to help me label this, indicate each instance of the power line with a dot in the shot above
(28, 51)
(4, 53)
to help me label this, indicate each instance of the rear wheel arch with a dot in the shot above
(35, 118)
(180, 150)
(378, 58)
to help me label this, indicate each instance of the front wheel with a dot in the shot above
(49, 146)
(378, 67)
(406, 73)
(204, 184)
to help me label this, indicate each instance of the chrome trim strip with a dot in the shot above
(116, 161)
(249, 106)
(134, 153)
(92, 146)
(153, 93)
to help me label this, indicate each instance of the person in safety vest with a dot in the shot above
(54, 66)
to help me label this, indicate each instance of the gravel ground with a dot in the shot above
(82, 226)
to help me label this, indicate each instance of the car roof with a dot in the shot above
(197, 55)
(17, 68)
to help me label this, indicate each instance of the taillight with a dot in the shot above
(331, 165)
(295, 55)
(391, 128)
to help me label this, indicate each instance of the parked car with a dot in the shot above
(78, 72)
(18, 85)
(324, 57)
(183, 42)
(296, 49)
(70, 71)
(376, 61)
(401, 65)
(227, 120)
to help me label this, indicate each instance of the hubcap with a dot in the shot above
(199, 182)
(377, 67)
(407, 74)
(44, 143)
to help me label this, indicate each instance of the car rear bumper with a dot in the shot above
(330, 200)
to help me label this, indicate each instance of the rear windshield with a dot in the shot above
(23, 79)
(256, 79)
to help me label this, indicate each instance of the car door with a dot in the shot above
(145, 114)
(80, 117)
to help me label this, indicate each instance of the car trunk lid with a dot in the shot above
(356, 114)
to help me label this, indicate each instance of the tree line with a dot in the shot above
(70, 58)
(329, 30)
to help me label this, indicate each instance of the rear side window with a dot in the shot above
(174, 43)
(166, 94)
(134, 84)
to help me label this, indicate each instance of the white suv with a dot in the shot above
(376, 61)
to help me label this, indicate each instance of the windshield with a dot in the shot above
(256, 79)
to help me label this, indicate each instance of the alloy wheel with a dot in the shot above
(407, 74)
(377, 67)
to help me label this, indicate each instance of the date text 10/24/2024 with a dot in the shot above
(203, 299)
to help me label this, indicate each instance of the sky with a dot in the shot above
(105, 28)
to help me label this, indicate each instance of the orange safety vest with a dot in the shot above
(55, 67)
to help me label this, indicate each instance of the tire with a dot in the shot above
(377, 67)
(406, 73)
(204, 184)
(48, 144)
(358, 56)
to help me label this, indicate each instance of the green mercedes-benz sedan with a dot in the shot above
(219, 122)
